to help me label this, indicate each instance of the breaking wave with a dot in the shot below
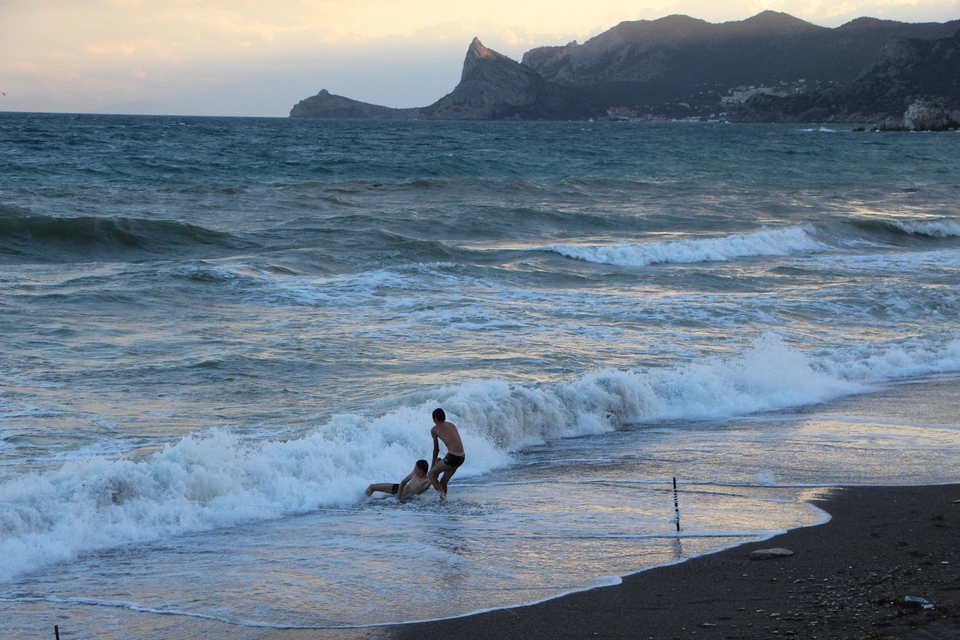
(776, 242)
(932, 228)
(217, 479)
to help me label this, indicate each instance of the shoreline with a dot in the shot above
(848, 578)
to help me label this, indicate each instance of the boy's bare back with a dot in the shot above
(447, 432)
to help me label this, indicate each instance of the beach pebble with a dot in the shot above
(766, 554)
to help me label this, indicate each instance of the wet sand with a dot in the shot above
(847, 578)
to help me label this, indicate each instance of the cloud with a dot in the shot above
(843, 9)
(112, 49)
(266, 31)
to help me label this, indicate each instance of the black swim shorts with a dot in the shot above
(452, 460)
(395, 489)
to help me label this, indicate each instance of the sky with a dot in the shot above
(260, 57)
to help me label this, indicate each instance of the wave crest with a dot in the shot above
(776, 242)
(932, 228)
(55, 239)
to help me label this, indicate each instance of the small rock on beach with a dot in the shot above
(767, 554)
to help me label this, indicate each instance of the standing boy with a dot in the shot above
(447, 432)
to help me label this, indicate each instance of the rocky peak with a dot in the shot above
(477, 54)
(477, 50)
(775, 23)
(770, 17)
(546, 59)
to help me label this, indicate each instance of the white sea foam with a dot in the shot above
(893, 261)
(216, 479)
(898, 361)
(316, 290)
(774, 242)
(933, 228)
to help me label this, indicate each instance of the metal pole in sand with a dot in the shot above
(676, 505)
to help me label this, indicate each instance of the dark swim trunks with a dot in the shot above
(452, 460)
(394, 489)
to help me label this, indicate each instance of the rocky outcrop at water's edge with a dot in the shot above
(329, 105)
(925, 115)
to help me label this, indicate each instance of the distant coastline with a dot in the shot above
(772, 67)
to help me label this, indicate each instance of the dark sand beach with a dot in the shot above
(847, 578)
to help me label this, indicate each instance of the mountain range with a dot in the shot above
(770, 67)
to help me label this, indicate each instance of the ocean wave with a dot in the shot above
(217, 479)
(932, 228)
(29, 237)
(774, 242)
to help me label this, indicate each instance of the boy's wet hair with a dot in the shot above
(438, 414)
(422, 465)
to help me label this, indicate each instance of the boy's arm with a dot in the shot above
(436, 446)
(403, 483)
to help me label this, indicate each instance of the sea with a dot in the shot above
(216, 332)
